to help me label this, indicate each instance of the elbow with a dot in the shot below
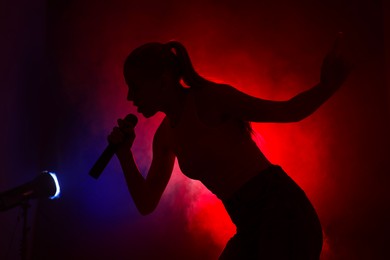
(296, 111)
(146, 208)
(145, 212)
(297, 118)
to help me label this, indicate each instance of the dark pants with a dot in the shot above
(274, 220)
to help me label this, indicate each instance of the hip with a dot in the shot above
(270, 196)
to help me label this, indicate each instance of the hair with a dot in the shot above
(155, 59)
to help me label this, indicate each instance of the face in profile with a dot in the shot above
(151, 73)
(145, 91)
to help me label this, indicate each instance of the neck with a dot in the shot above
(175, 107)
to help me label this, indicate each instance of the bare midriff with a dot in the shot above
(223, 156)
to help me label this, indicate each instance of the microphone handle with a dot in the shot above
(109, 152)
(102, 162)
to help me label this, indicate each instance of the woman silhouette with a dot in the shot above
(207, 129)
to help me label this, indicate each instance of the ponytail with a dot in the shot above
(188, 73)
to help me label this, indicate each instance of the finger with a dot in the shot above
(120, 121)
(124, 125)
(117, 132)
(126, 129)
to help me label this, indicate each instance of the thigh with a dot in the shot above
(293, 234)
(269, 239)
(278, 235)
(240, 247)
(280, 223)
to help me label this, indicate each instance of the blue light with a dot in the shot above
(58, 189)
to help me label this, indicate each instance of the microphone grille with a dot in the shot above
(132, 119)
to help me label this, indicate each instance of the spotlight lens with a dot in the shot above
(58, 189)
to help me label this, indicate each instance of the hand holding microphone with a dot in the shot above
(122, 137)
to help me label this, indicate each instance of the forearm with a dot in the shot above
(136, 183)
(305, 103)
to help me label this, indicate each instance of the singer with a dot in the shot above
(207, 128)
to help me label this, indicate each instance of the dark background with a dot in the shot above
(62, 89)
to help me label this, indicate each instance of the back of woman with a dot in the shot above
(218, 150)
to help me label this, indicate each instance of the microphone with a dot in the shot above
(107, 154)
(45, 185)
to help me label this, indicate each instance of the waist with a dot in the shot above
(270, 188)
(256, 187)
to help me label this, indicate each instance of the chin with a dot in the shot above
(148, 114)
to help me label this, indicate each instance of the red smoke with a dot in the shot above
(269, 49)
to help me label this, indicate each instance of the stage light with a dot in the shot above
(57, 184)
(46, 185)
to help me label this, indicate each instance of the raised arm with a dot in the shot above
(146, 193)
(333, 74)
